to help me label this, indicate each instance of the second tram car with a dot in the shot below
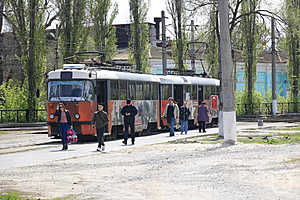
(81, 87)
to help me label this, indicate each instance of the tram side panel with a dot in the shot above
(148, 115)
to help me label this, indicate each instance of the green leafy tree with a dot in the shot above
(74, 20)
(28, 22)
(179, 20)
(104, 33)
(139, 45)
(293, 41)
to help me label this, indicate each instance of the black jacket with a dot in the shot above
(132, 113)
(69, 118)
(101, 119)
(184, 113)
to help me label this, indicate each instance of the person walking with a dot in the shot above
(184, 114)
(64, 122)
(171, 113)
(100, 119)
(129, 112)
(202, 116)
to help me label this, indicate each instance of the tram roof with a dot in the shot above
(188, 80)
(115, 75)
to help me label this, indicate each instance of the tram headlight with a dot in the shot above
(51, 116)
(77, 116)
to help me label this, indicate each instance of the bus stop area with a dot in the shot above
(156, 167)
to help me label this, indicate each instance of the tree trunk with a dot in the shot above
(31, 62)
(229, 116)
(68, 27)
(1, 16)
(179, 41)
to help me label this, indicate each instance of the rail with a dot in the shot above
(38, 115)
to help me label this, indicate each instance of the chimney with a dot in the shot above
(157, 20)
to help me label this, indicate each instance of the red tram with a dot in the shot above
(80, 87)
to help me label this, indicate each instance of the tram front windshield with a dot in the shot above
(70, 91)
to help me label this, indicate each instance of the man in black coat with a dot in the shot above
(129, 112)
(100, 119)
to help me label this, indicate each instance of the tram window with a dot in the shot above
(209, 91)
(154, 90)
(147, 91)
(188, 92)
(166, 91)
(123, 89)
(89, 91)
(139, 91)
(194, 92)
(114, 90)
(131, 89)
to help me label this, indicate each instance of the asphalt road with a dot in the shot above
(36, 149)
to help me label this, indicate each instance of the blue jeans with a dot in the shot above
(63, 127)
(184, 126)
(172, 126)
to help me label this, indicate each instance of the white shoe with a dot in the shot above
(103, 148)
(99, 149)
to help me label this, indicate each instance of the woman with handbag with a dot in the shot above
(64, 122)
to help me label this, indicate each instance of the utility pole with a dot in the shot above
(164, 46)
(274, 99)
(193, 47)
(56, 48)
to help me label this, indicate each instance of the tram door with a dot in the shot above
(101, 92)
(178, 94)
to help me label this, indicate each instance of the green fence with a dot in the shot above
(266, 108)
(23, 115)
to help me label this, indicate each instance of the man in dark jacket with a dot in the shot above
(184, 114)
(101, 120)
(129, 112)
(64, 122)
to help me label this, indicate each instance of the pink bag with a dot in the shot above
(71, 136)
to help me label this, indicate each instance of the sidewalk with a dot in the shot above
(51, 152)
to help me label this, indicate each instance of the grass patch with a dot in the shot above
(285, 129)
(12, 196)
(283, 138)
(3, 132)
(293, 160)
(207, 139)
(18, 196)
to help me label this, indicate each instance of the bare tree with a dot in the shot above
(227, 97)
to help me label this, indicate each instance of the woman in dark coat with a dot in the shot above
(202, 116)
(64, 122)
